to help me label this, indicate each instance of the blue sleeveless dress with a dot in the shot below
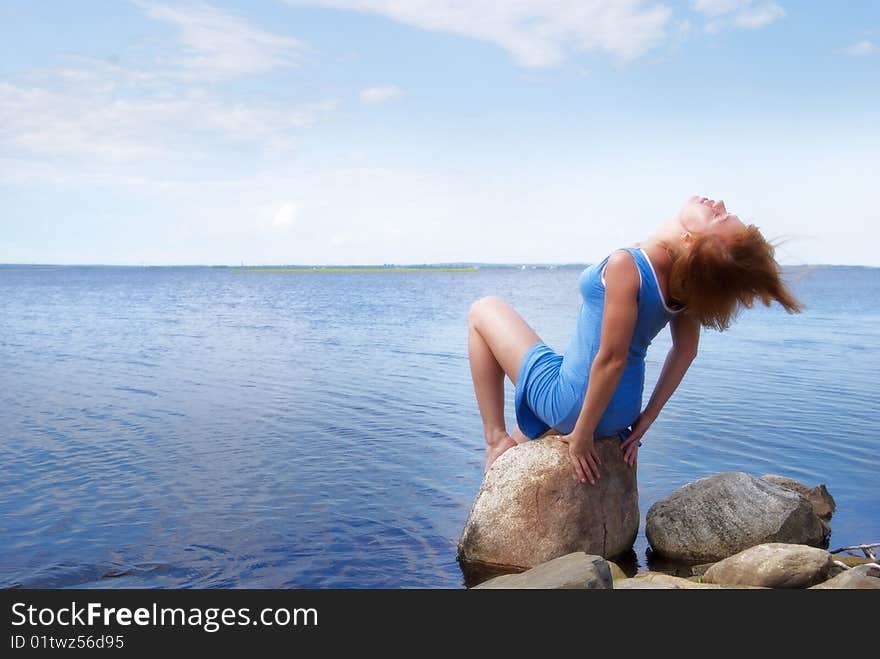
(550, 388)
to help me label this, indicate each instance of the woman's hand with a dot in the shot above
(584, 458)
(630, 446)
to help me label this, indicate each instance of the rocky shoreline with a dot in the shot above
(533, 526)
(770, 565)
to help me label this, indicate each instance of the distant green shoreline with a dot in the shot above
(356, 269)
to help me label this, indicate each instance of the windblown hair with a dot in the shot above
(714, 279)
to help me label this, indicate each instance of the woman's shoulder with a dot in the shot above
(621, 265)
(623, 259)
(622, 252)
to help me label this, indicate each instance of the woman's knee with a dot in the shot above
(476, 311)
(483, 306)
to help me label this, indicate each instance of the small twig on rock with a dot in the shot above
(865, 548)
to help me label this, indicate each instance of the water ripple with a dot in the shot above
(187, 427)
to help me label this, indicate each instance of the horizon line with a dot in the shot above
(437, 264)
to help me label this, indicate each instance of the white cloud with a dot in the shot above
(717, 7)
(90, 120)
(380, 94)
(739, 13)
(753, 18)
(218, 44)
(103, 130)
(862, 48)
(536, 33)
(284, 215)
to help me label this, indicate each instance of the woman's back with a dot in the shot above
(653, 315)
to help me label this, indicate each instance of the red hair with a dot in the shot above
(715, 278)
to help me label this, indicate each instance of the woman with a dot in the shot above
(698, 268)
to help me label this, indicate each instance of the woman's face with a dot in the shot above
(704, 215)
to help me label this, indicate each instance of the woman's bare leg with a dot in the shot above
(498, 339)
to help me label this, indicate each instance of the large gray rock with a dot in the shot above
(530, 509)
(819, 497)
(577, 570)
(716, 517)
(773, 565)
(850, 580)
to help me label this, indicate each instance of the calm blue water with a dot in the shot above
(200, 427)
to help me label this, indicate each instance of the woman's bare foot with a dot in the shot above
(495, 446)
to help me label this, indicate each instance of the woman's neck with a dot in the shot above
(666, 237)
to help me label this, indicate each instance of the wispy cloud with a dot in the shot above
(536, 33)
(218, 44)
(862, 48)
(745, 14)
(718, 7)
(158, 120)
(103, 130)
(381, 94)
(754, 17)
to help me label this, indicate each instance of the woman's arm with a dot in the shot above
(685, 340)
(618, 322)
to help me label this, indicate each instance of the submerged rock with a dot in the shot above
(716, 517)
(773, 565)
(530, 509)
(576, 570)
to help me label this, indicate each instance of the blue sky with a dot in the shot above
(414, 131)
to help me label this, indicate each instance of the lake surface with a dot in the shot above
(204, 427)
